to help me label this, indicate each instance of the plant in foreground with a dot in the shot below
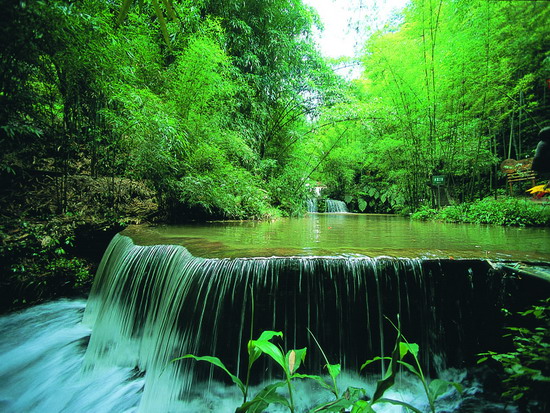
(289, 362)
(527, 365)
(352, 399)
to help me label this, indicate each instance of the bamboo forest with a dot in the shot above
(275, 206)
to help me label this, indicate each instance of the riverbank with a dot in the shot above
(50, 258)
(51, 255)
(54, 230)
(507, 211)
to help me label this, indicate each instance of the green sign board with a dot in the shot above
(438, 180)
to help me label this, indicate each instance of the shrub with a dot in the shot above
(36, 264)
(502, 211)
(424, 214)
(526, 368)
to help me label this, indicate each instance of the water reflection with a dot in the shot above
(340, 234)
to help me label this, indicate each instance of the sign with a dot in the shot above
(438, 180)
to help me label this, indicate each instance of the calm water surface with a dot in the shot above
(349, 234)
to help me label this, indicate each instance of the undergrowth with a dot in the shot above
(507, 211)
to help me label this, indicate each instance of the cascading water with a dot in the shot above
(312, 205)
(41, 357)
(333, 205)
(152, 304)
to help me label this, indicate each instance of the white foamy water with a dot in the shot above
(41, 370)
(41, 357)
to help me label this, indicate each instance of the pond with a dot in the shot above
(344, 278)
(349, 234)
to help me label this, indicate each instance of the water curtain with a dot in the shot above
(150, 304)
(333, 205)
(312, 205)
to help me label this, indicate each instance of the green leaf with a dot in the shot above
(298, 355)
(405, 348)
(410, 367)
(318, 379)
(218, 363)
(362, 204)
(263, 399)
(377, 358)
(271, 350)
(400, 403)
(350, 397)
(334, 370)
(268, 335)
(382, 386)
(362, 406)
(457, 386)
(338, 405)
(389, 379)
(438, 387)
(254, 352)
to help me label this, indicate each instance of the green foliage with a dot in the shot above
(502, 211)
(451, 88)
(424, 214)
(526, 367)
(433, 389)
(225, 192)
(37, 264)
(175, 87)
(190, 101)
(289, 363)
(288, 190)
(352, 399)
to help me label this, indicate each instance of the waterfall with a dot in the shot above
(336, 206)
(150, 304)
(312, 205)
(41, 355)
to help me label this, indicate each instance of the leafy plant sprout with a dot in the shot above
(351, 400)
